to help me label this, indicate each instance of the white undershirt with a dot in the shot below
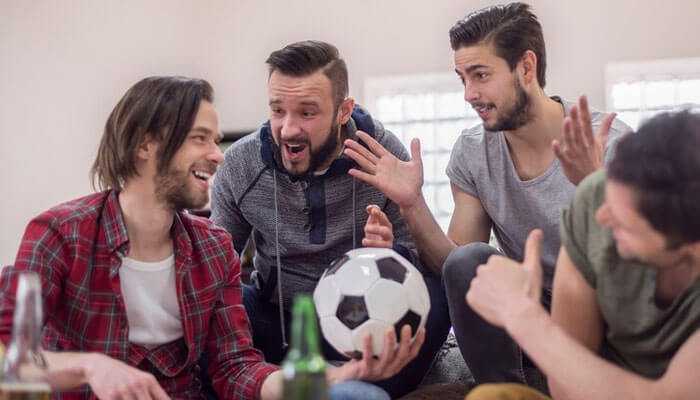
(151, 303)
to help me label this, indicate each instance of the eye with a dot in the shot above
(199, 138)
(308, 114)
(482, 75)
(276, 111)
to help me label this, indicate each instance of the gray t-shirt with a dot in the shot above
(481, 166)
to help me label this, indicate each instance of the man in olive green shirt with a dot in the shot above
(625, 320)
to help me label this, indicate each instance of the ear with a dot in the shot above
(345, 111)
(528, 64)
(148, 148)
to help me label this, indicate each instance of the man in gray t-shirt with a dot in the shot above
(481, 166)
(511, 174)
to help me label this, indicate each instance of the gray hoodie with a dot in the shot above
(306, 221)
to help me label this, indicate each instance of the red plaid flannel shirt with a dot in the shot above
(75, 247)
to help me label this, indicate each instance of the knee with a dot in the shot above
(357, 390)
(504, 391)
(460, 266)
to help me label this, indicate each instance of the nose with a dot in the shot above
(290, 128)
(216, 155)
(603, 216)
(470, 92)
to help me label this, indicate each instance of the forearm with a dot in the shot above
(578, 373)
(272, 386)
(432, 243)
(68, 370)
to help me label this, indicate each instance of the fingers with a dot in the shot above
(376, 148)
(415, 152)
(364, 176)
(604, 130)
(157, 391)
(366, 165)
(585, 121)
(533, 247)
(574, 137)
(402, 354)
(417, 343)
(388, 353)
(532, 263)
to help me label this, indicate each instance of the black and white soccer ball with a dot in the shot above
(367, 291)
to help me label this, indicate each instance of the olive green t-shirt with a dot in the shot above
(639, 335)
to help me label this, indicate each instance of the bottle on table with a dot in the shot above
(24, 369)
(304, 368)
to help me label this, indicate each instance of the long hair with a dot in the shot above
(162, 108)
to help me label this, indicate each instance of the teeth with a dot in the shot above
(202, 175)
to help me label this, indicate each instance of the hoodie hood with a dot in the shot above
(360, 119)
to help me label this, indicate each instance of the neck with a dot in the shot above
(546, 125)
(677, 276)
(147, 221)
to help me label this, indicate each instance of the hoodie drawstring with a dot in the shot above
(279, 264)
(354, 216)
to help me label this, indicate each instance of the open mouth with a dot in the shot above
(483, 109)
(294, 151)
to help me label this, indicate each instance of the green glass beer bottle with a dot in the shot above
(24, 368)
(304, 368)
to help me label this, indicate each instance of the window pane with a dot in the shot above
(450, 105)
(389, 108)
(444, 203)
(422, 130)
(659, 93)
(398, 130)
(631, 118)
(627, 95)
(418, 106)
(689, 91)
(446, 133)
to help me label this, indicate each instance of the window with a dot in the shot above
(639, 90)
(430, 107)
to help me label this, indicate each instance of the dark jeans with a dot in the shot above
(489, 352)
(267, 336)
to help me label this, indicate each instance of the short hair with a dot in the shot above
(160, 107)
(512, 29)
(661, 162)
(305, 58)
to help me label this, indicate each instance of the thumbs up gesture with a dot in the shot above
(503, 288)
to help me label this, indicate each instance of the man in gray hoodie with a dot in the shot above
(287, 185)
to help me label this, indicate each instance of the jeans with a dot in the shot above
(490, 353)
(357, 390)
(267, 335)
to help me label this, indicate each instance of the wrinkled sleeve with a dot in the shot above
(237, 369)
(42, 250)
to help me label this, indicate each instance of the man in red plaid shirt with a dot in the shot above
(135, 289)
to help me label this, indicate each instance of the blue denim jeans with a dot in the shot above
(267, 335)
(490, 353)
(357, 390)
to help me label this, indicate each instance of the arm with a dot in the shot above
(575, 310)
(43, 250)
(237, 369)
(401, 182)
(506, 293)
(225, 211)
(579, 151)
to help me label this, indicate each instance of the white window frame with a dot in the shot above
(649, 71)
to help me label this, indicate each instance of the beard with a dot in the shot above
(317, 156)
(515, 116)
(172, 188)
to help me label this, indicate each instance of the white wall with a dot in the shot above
(63, 65)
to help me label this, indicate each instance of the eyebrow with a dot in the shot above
(207, 131)
(471, 68)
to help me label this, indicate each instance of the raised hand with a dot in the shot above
(400, 181)
(389, 363)
(502, 287)
(378, 230)
(579, 152)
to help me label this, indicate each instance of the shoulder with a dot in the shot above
(74, 212)
(242, 163)
(210, 239)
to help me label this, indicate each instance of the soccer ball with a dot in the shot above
(367, 291)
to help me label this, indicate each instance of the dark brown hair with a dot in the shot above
(661, 163)
(160, 107)
(511, 28)
(305, 58)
